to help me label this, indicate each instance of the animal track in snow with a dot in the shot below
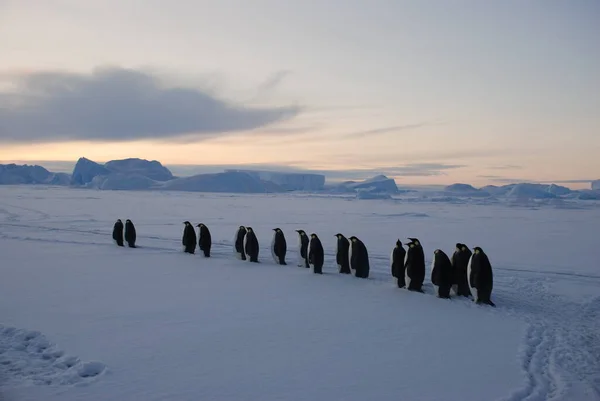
(27, 357)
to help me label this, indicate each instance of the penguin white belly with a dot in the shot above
(300, 259)
(308, 253)
(275, 258)
(407, 278)
(336, 253)
(454, 289)
(352, 267)
(473, 290)
(235, 252)
(244, 245)
(435, 287)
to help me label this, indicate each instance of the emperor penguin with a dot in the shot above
(414, 265)
(278, 247)
(189, 238)
(460, 260)
(204, 239)
(302, 248)
(238, 243)
(397, 264)
(130, 235)
(481, 278)
(359, 258)
(442, 274)
(251, 245)
(316, 255)
(341, 254)
(118, 232)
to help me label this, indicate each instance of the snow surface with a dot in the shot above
(82, 319)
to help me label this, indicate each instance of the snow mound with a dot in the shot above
(465, 190)
(13, 174)
(377, 184)
(27, 357)
(596, 185)
(85, 170)
(366, 194)
(221, 182)
(288, 181)
(153, 170)
(119, 181)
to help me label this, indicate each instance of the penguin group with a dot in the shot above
(466, 274)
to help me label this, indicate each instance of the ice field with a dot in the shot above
(82, 319)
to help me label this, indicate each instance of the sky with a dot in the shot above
(426, 92)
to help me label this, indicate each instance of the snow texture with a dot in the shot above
(83, 319)
(288, 181)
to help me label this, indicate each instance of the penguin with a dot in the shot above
(460, 260)
(118, 232)
(251, 245)
(414, 265)
(238, 243)
(316, 255)
(189, 238)
(130, 235)
(442, 274)
(278, 247)
(358, 257)
(204, 239)
(302, 248)
(481, 278)
(397, 264)
(341, 254)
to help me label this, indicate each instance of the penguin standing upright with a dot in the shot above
(302, 248)
(316, 255)
(238, 243)
(130, 235)
(460, 260)
(118, 232)
(189, 238)
(442, 274)
(414, 265)
(251, 245)
(341, 254)
(358, 257)
(481, 277)
(278, 246)
(204, 239)
(397, 264)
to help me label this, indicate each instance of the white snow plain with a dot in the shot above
(82, 319)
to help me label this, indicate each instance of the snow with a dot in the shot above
(13, 174)
(288, 181)
(150, 169)
(82, 319)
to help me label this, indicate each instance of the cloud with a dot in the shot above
(273, 81)
(509, 180)
(506, 167)
(385, 130)
(115, 104)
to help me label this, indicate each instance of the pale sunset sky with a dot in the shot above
(428, 92)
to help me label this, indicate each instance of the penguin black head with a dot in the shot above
(249, 229)
(398, 243)
(242, 227)
(119, 221)
(313, 235)
(414, 241)
(127, 221)
(353, 239)
(301, 232)
(477, 250)
(277, 229)
(187, 223)
(200, 225)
